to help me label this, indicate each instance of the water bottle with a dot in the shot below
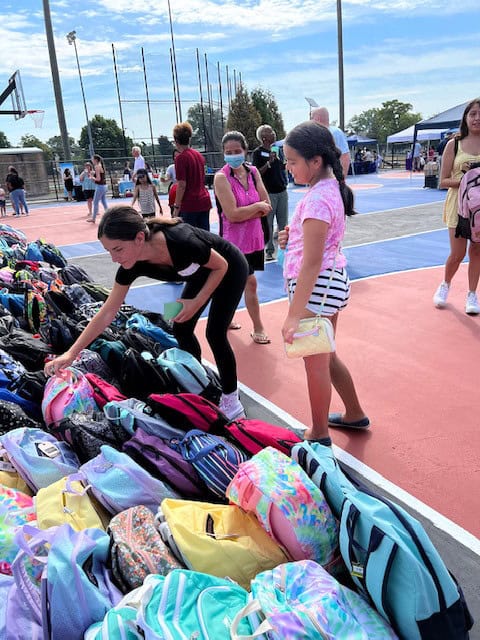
(281, 255)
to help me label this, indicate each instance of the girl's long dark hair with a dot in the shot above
(123, 222)
(463, 125)
(310, 139)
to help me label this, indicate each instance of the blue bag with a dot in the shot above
(185, 369)
(393, 562)
(39, 458)
(119, 483)
(214, 458)
(76, 589)
(140, 323)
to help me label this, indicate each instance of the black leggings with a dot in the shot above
(223, 304)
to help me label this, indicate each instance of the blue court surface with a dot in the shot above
(373, 193)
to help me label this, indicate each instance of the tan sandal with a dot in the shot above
(260, 338)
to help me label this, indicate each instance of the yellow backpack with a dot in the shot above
(221, 540)
(9, 477)
(69, 502)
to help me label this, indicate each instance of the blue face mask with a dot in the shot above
(234, 161)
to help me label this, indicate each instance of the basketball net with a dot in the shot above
(37, 116)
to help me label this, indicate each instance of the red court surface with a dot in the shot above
(416, 371)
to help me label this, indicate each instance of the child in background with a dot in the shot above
(314, 240)
(3, 205)
(146, 194)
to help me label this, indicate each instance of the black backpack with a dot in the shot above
(134, 339)
(140, 376)
(73, 274)
(22, 346)
(13, 416)
(31, 386)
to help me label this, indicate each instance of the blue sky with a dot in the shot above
(423, 53)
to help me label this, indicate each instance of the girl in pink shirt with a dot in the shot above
(243, 200)
(314, 251)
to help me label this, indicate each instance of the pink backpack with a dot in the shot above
(67, 393)
(469, 206)
(291, 508)
(187, 411)
(255, 435)
(103, 391)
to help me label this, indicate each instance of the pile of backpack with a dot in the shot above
(131, 507)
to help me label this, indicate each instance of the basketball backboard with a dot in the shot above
(14, 89)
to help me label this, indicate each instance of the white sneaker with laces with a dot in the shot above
(231, 406)
(471, 306)
(441, 295)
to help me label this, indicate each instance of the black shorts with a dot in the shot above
(256, 261)
(89, 193)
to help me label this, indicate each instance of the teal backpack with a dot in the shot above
(389, 555)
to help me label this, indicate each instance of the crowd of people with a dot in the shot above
(217, 269)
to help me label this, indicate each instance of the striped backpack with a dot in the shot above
(216, 460)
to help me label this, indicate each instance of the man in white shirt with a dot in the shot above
(321, 115)
(139, 161)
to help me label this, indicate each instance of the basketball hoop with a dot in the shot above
(37, 117)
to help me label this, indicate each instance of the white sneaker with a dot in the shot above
(441, 295)
(231, 406)
(471, 305)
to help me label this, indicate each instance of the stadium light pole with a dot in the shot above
(56, 82)
(72, 39)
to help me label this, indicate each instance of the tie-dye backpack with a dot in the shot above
(288, 504)
(65, 394)
(310, 603)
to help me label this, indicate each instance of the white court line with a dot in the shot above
(437, 519)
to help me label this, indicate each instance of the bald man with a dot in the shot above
(321, 115)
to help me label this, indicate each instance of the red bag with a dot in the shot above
(255, 435)
(187, 411)
(103, 391)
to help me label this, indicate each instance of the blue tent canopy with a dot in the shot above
(355, 140)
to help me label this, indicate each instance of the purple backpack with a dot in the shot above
(166, 464)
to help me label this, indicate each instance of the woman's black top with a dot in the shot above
(189, 249)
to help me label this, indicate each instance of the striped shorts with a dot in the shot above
(337, 296)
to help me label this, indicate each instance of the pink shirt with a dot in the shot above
(246, 235)
(324, 202)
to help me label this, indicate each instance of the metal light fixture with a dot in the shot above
(72, 39)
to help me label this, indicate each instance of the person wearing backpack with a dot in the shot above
(167, 249)
(459, 153)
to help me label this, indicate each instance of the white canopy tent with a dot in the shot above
(407, 135)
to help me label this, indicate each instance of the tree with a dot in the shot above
(4, 143)
(55, 145)
(266, 105)
(379, 123)
(243, 116)
(30, 140)
(207, 125)
(108, 139)
(165, 147)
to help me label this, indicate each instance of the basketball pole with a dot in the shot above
(56, 82)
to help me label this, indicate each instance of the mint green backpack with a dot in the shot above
(183, 604)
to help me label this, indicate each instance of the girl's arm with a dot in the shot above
(155, 195)
(218, 268)
(82, 176)
(314, 235)
(448, 158)
(94, 328)
(135, 195)
(224, 193)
